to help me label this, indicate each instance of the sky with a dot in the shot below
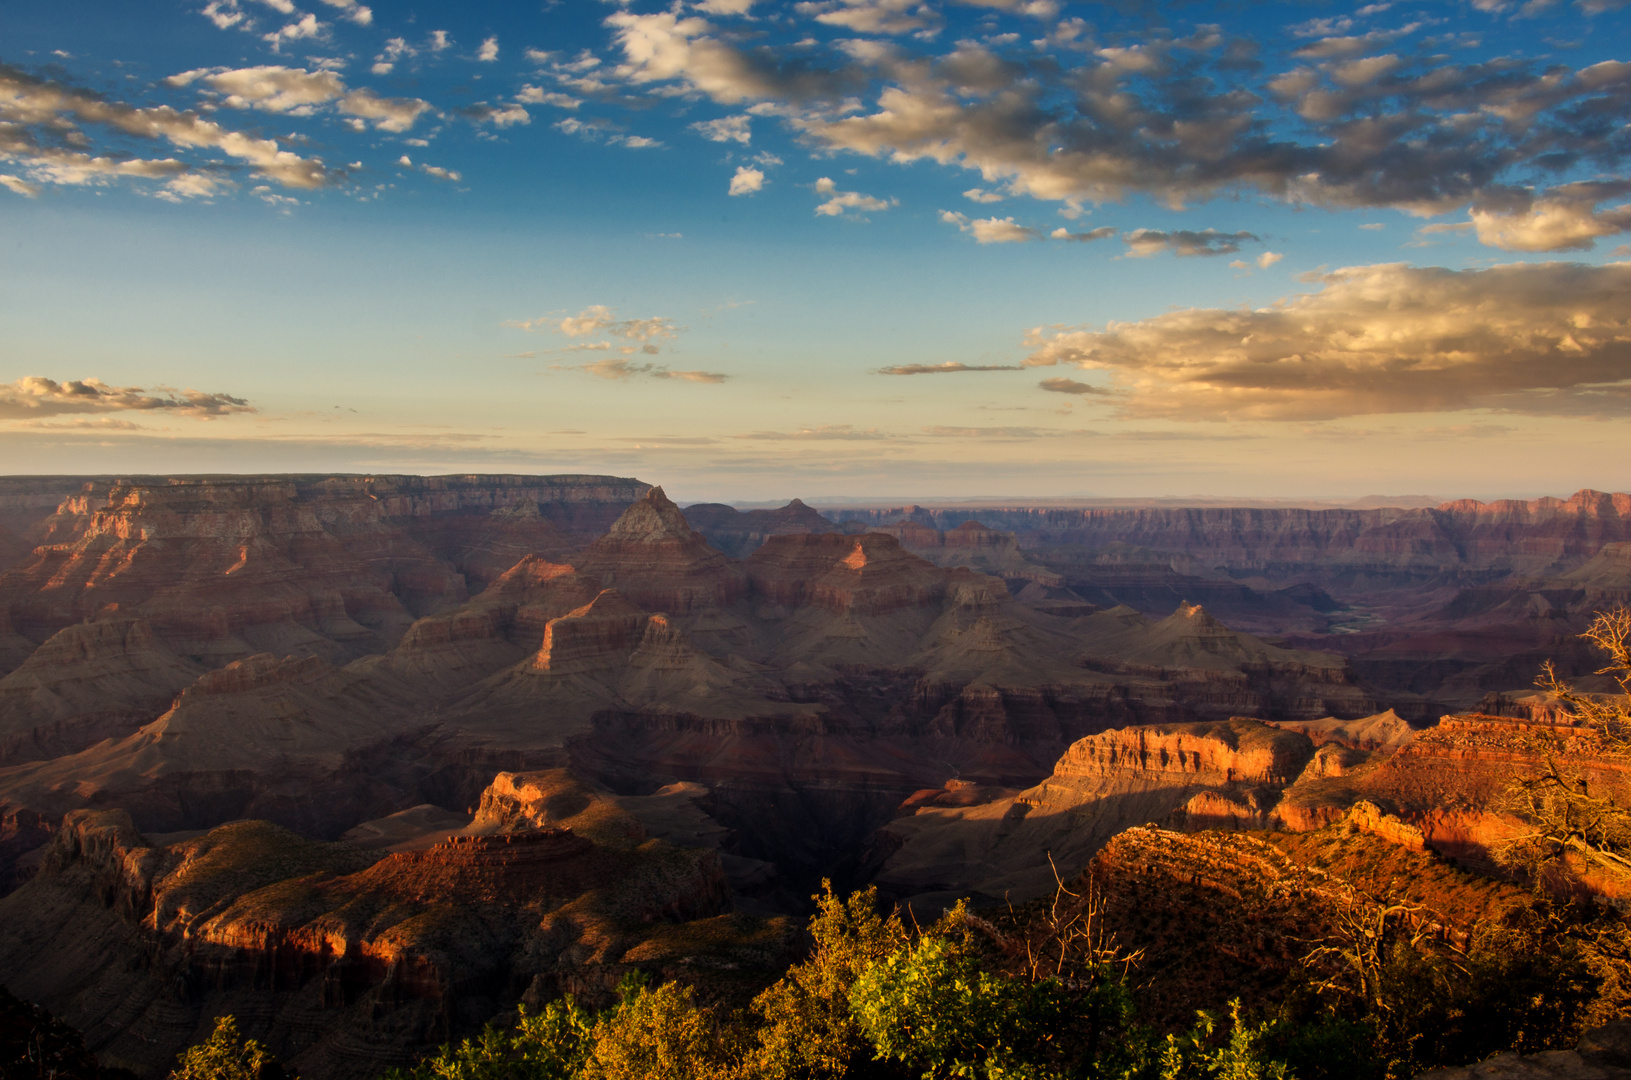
(753, 250)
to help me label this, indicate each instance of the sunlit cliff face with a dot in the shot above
(847, 248)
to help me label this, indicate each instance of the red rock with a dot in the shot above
(654, 557)
(868, 574)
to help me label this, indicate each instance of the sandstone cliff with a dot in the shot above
(340, 959)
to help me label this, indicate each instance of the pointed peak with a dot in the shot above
(795, 504)
(654, 517)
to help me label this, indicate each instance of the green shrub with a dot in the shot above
(226, 1055)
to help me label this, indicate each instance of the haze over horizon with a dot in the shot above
(834, 248)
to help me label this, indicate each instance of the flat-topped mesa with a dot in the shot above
(203, 561)
(1237, 751)
(596, 637)
(652, 555)
(869, 574)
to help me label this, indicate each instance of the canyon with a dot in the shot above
(367, 761)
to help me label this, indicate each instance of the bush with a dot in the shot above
(226, 1055)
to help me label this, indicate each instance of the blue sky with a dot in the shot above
(751, 249)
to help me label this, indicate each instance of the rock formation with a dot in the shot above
(343, 959)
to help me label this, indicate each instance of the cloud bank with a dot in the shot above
(1541, 338)
(35, 396)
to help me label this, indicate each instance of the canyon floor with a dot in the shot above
(367, 761)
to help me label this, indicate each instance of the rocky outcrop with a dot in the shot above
(1388, 542)
(739, 533)
(1104, 784)
(342, 960)
(971, 544)
(92, 681)
(653, 556)
(336, 566)
(1603, 1053)
(1222, 915)
(870, 574)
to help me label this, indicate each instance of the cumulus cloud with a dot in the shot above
(601, 319)
(35, 396)
(992, 230)
(354, 11)
(1142, 243)
(388, 114)
(269, 88)
(666, 46)
(305, 27)
(727, 129)
(40, 120)
(1358, 120)
(488, 53)
(533, 95)
(838, 202)
(947, 368)
(1566, 218)
(747, 181)
(1543, 338)
(872, 16)
(298, 92)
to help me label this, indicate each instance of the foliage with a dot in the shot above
(550, 1045)
(1571, 825)
(656, 1034)
(932, 1007)
(226, 1055)
(1047, 996)
(808, 1031)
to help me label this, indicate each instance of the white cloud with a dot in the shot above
(726, 7)
(726, 129)
(29, 103)
(439, 40)
(268, 88)
(395, 49)
(488, 51)
(1543, 338)
(601, 319)
(298, 92)
(1269, 258)
(991, 230)
(873, 16)
(225, 14)
(354, 11)
(19, 185)
(1565, 218)
(747, 181)
(840, 201)
(980, 195)
(533, 95)
(388, 114)
(306, 27)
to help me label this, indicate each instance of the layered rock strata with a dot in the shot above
(340, 959)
